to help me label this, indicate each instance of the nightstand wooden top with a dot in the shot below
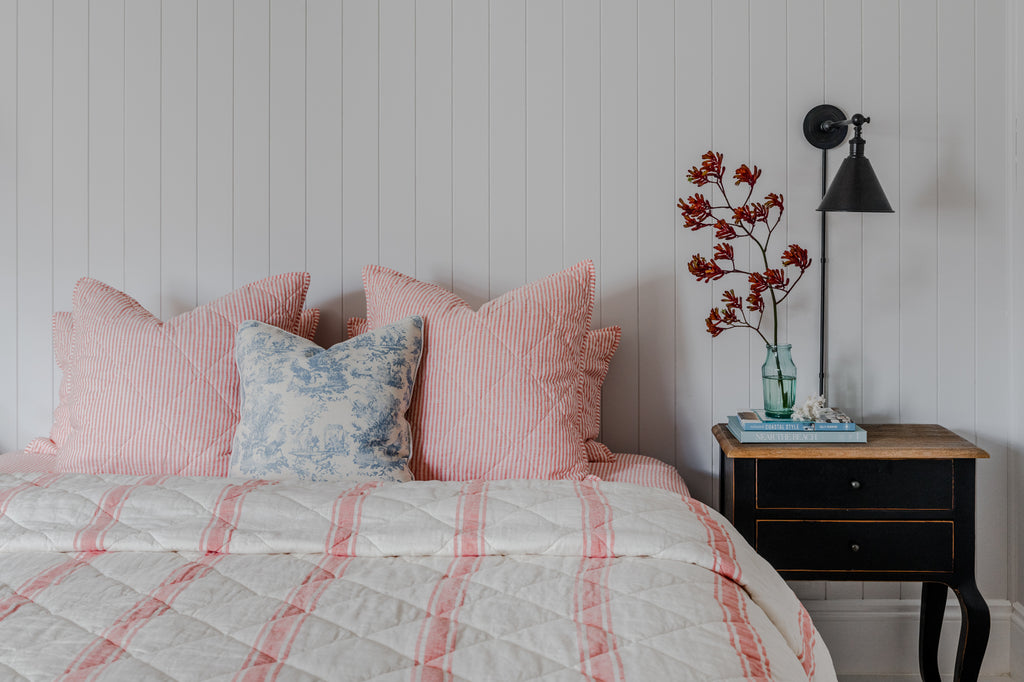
(885, 441)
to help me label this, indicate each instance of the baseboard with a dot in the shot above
(878, 637)
(1017, 642)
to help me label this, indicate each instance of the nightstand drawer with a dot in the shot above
(903, 546)
(854, 484)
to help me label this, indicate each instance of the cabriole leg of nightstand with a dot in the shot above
(974, 630)
(933, 606)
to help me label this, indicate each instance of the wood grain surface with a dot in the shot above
(885, 441)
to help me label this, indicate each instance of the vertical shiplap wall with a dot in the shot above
(1016, 454)
(180, 148)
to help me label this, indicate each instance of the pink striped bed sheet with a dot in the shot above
(642, 470)
(165, 577)
(15, 462)
(628, 468)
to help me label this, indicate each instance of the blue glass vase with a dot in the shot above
(778, 376)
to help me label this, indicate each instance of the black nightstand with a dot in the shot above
(899, 507)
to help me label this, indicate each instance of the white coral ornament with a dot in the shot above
(815, 410)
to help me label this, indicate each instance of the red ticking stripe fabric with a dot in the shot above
(51, 577)
(112, 643)
(437, 636)
(276, 637)
(598, 647)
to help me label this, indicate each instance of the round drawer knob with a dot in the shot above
(855, 547)
(855, 485)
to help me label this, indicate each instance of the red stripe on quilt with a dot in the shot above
(275, 640)
(598, 647)
(437, 636)
(345, 517)
(742, 635)
(276, 637)
(8, 495)
(109, 646)
(108, 510)
(806, 656)
(217, 534)
(722, 548)
(52, 576)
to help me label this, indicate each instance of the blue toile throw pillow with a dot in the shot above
(325, 415)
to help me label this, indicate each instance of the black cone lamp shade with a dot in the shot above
(856, 187)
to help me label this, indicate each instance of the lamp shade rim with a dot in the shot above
(855, 188)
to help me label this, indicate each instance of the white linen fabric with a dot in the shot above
(325, 415)
(165, 577)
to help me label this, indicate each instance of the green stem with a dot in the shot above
(775, 327)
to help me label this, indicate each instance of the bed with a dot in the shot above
(560, 561)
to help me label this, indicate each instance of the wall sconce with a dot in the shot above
(854, 189)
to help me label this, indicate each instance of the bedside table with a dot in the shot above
(898, 508)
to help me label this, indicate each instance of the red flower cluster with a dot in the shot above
(754, 220)
(705, 270)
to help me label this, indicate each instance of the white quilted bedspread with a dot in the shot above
(118, 577)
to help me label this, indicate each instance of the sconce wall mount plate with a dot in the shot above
(825, 127)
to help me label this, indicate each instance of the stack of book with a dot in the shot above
(753, 426)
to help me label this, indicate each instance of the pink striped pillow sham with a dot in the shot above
(497, 391)
(599, 347)
(63, 325)
(152, 397)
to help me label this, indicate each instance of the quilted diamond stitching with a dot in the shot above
(259, 295)
(385, 286)
(487, 585)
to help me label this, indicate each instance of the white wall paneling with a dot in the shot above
(10, 415)
(397, 135)
(178, 123)
(144, 162)
(34, 203)
(70, 181)
(880, 372)
(581, 129)
(617, 265)
(918, 212)
(106, 141)
(1015, 27)
(543, 169)
(251, 148)
(434, 141)
(695, 453)
(215, 46)
(992, 275)
(471, 199)
(656, 226)
(324, 164)
(179, 149)
(359, 147)
(507, 145)
(287, 132)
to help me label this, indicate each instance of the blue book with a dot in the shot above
(858, 435)
(757, 420)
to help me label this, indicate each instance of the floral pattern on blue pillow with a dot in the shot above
(325, 415)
